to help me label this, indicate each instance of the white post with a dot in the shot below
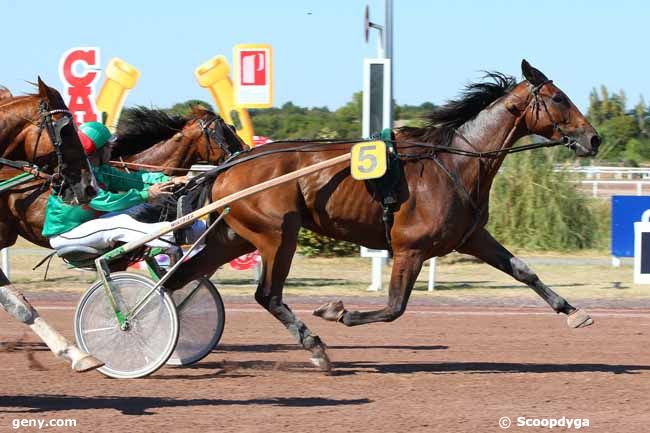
(595, 189)
(5, 262)
(638, 188)
(616, 262)
(258, 271)
(377, 283)
(432, 274)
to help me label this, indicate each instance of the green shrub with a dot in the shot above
(534, 208)
(311, 244)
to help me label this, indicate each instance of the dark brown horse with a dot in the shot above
(443, 200)
(20, 135)
(72, 182)
(179, 142)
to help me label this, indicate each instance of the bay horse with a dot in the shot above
(443, 200)
(72, 180)
(21, 139)
(175, 143)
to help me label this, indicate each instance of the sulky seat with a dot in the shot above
(80, 256)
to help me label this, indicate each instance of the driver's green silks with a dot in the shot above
(61, 217)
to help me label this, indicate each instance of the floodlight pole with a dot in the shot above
(384, 51)
(388, 47)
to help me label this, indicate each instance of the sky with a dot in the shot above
(318, 45)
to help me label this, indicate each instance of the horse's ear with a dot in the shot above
(4, 92)
(533, 75)
(43, 90)
(53, 97)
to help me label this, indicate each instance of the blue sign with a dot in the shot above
(626, 210)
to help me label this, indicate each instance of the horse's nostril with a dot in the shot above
(595, 141)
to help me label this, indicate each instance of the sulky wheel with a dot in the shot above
(135, 350)
(201, 316)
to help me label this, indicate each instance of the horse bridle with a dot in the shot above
(215, 134)
(53, 128)
(538, 101)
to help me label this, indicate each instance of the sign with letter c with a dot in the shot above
(79, 83)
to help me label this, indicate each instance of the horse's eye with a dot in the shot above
(558, 98)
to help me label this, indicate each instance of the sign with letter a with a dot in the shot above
(79, 71)
(253, 75)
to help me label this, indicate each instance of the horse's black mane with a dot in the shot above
(140, 128)
(444, 120)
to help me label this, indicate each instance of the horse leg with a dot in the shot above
(17, 306)
(277, 255)
(406, 268)
(483, 246)
(14, 303)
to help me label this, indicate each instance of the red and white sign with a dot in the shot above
(253, 75)
(79, 72)
(247, 261)
(258, 140)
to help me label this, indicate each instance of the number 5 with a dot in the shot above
(368, 160)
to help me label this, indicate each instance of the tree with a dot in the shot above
(616, 133)
(640, 114)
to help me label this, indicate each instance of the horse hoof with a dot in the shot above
(330, 311)
(322, 362)
(87, 363)
(579, 319)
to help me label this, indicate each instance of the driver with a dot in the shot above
(117, 191)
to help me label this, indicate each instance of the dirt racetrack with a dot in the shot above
(456, 368)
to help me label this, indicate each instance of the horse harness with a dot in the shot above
(217, 135)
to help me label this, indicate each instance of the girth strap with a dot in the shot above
(387, 187)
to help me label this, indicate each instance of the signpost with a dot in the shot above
(378, 115)
(120, 79)
(79, 71)
(253, 75)
(214, 75)
(626, 210)
(377, 111)
(642, 249)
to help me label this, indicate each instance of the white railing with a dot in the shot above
(619, 187)
(599, 172)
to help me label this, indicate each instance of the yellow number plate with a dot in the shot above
(368, 160)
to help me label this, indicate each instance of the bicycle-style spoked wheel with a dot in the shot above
(201, 317)
(141, 347)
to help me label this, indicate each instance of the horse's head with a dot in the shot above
(73, 172)
(550, 113)
(217, 140)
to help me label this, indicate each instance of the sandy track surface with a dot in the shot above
(456, 368)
